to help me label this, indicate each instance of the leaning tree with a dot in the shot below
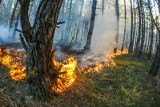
(37, 41)
(156, 63)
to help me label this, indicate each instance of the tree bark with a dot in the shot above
(39, 38)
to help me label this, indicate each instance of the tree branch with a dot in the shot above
(26, 27)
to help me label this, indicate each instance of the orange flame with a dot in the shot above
(66, 69)
(90, 69)
(13, 60)
(119, 52)
(66, 74)
(109, 62)
(0, 51)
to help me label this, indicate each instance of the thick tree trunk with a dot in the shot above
(91, 28)
(39, 39)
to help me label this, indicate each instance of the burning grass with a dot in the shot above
(124, 84)
(67, 72)
(98, 67)
(119, 52)
(91, 69)
(13, 60)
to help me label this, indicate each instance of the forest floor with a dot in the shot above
(125, 84)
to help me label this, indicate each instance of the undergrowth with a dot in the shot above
(125, 85)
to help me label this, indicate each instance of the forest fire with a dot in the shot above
(109, 61)
(66, 69)
(90, 69)
(113, 54)
(66, 74)
(13, 60)
(119, 52)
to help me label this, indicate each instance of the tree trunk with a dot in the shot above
(117, 27)
(139, 29)
(91, 28)
(13, 14)
(156, 63)
(39, 38)
(143, 35)
(135, 27)
(130, 49)
(66, 35)
(125, 16)
(151, 42)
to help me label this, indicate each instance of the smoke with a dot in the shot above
(6, 35)
(103, 36)
(103, 39)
